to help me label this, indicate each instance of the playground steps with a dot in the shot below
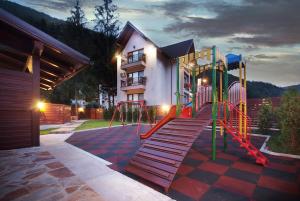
(160, 156)
(246, 144)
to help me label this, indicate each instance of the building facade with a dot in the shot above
(148, 72)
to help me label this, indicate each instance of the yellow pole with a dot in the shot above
(241, 102)
(221, 86)
(245, 102)
(221, 96)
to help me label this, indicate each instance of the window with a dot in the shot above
(135, 97)
(135, 78)
(135, 56)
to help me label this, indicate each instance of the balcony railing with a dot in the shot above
(133, 81)
(134, 58)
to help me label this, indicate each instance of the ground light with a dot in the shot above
(80, 109)
(165, 108)
(41, 106)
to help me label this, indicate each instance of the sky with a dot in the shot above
(265, 32)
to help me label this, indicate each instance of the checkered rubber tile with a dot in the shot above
(234, 176)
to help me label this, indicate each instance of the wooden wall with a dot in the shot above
(93, 113)
(16, 110)
(55, 114)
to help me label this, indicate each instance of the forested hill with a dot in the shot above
(26, 13)
(90, 43)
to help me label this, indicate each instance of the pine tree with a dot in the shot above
(106, 18)
(77, 18)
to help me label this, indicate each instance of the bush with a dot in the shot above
(135, 114)
(107, 113)
(265, 117)
(289, 119)
(129, 115)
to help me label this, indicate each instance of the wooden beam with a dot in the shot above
(36, 54)
(46, 85)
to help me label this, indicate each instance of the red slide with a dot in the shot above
(171, 115)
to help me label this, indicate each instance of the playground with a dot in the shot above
(200, 150)
(232, 176)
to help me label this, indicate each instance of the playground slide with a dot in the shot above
(171, 115)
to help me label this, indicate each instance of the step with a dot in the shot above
(176, 138)
(182, 134)
(168, 145)
(164, 149)
(159, 159)
(179, 128)
(145, 161)
(152, 170)
(171, 156)
(149, 177)
(170, 141)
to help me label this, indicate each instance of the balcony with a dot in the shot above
(137, 83)
(134, 62)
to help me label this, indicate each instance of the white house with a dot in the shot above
(148, 72)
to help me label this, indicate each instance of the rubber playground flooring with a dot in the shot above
(233, 176)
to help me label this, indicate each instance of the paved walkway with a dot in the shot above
(32, 174)
(234, 176)
(63, 128)
(59, 171)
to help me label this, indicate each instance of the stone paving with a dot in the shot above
(32, 174)
(65, 128)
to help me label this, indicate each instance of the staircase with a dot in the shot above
(241, 136)
(160, 156)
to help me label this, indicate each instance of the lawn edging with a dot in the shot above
(265, 149)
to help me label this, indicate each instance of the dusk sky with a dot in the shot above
(265, 32)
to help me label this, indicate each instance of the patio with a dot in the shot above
(233, 176)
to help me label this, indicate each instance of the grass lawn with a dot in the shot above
(277, 145)
(46, 131)
(96, 124)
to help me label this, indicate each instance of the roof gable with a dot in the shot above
(179, 49)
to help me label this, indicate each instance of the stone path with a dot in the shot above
(59, 171)
(32, 174)
(65, 128)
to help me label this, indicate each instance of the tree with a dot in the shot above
(265, 117)
(106, 18)
(107, 23)
(77, 18)
(289, 118)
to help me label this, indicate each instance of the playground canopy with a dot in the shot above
(233, 61)
(30, 60)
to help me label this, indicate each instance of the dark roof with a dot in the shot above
(58, 61)
(179, 49)
(172, 51)
(126, 33)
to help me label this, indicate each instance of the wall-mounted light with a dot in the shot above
(41, 106)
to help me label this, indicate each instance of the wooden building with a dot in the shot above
(30, 60)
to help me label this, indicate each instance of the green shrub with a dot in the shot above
(289, 119)
(135, 114)
(129, 115)
(265, 117)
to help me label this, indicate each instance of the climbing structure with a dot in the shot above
(167, 143)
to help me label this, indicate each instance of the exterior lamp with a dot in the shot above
(204, 80)
(41, 106)
(165, 108)
(80, 109)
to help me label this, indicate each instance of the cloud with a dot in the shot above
(268, 22)
(64, 5)
(135, 11)
(175, 9)
(263, 56)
